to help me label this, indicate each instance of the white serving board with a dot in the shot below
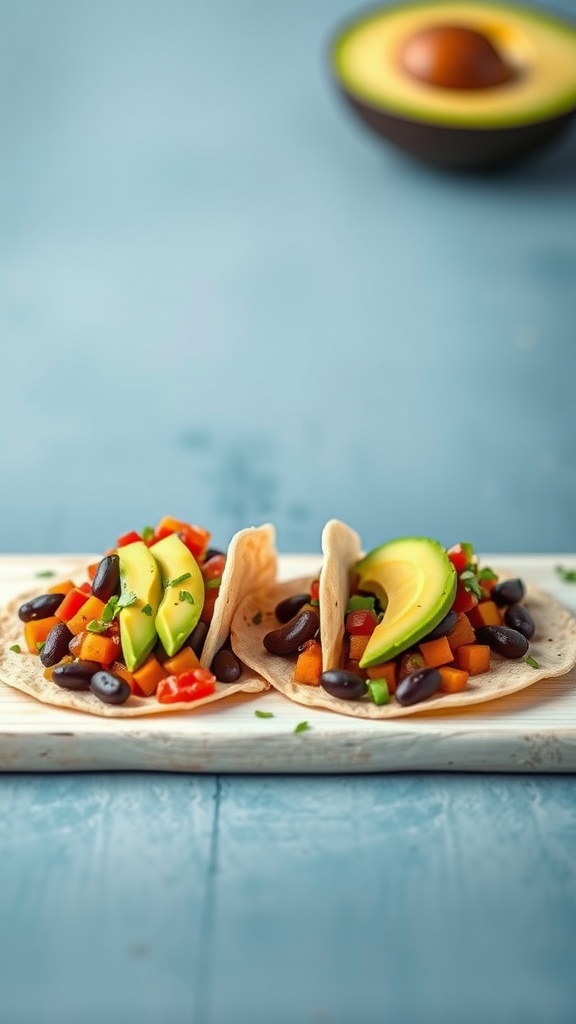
(533, 730)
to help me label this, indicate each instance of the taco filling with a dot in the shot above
(410, 626)
(148, 628)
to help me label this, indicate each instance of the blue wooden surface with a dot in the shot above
(220, 298)
(223, 901)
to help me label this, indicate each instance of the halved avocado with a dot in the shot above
(518, 92)
(141, 585)
(183, 595)
(415, 582)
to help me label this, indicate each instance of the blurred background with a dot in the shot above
(222, 299)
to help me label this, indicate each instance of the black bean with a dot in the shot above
(212, 552)
(508, 592)
(418, 686)
(197, 638)
(510, 643)
(55, 646)
(109, 688)
(518, 617)
(225, 666)
(290, 606)
(445, 626)
(75, 675)
(288, 638)
(342, 684)
(106, 582)
(40, 607)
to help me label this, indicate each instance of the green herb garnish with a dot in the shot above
(178, 579)
(45, 573)
(185, 595)
(531, 661)
(213, 584)
(566, 575)
(96, 626)
(126, 599)
(147, 532)
(147, 609)
(257, 618)
(264, 714)
(487, 574)
(40, 645)
(470, 581)
(302, 727)
(16, 648)
(314, 603)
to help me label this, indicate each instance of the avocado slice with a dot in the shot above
(183, 595)
(415, 582)
(141, 585)
(518, 92)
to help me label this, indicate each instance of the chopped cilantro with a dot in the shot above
(470, 581)
(531, 661)
(302, 727)
(213, 584)
(16, 648)
(264, 714)
(566, 575)
(147, 609)
(314, 603)
(126, 599)
(185, 595)
(257, 618)
(147, 532)
(109, 609)
(96, 626)
(487, 574)
(178, 579)
(45, 573)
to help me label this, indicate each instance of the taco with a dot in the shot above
(408, 627)
(146, 631)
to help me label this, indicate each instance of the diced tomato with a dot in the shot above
(464, 600)
(458, 556)
(213, 568)
(71, 603)
(196, 538)
(361, 623)
(128, 538)
(315, 590)
(186, 686)
(208, 608)
(86, 588)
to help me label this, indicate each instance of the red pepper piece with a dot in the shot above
(458, 556)
(71, 603)
(186, 686)
(315, 590)
(128, 538)
(361, 623)
(195, 538)
(465, 600)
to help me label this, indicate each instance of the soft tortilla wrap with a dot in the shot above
(251, 562)
(553, 646)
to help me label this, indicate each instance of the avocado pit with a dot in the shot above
(454, 57)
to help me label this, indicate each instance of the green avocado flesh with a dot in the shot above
(140, 576)
(183, 596)
(539, 48)
(415, 582)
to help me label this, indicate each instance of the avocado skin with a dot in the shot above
(461, 149)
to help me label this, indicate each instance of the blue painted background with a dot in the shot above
(221, 298)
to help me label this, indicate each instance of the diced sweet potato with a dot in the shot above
(453, 680)
(463, 633)
(436, 652)
(308, 667)
(357, 646)
(486, 613)
(473, 658)
(149, 675)
(36, 631)
(388, 670)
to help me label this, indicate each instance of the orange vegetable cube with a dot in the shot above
(309, 664)
(357, 646)
(486, 613)
(354, 666)
(453, 680)
(118, 668)
(98, 647)
(71, 603)
(61, 588)
(183, 661)
(473, 658)
(91, 609)
(388, 670)
(462, 633)
(409, 662)
(436, 652)
(36, 631)
(149, 675)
